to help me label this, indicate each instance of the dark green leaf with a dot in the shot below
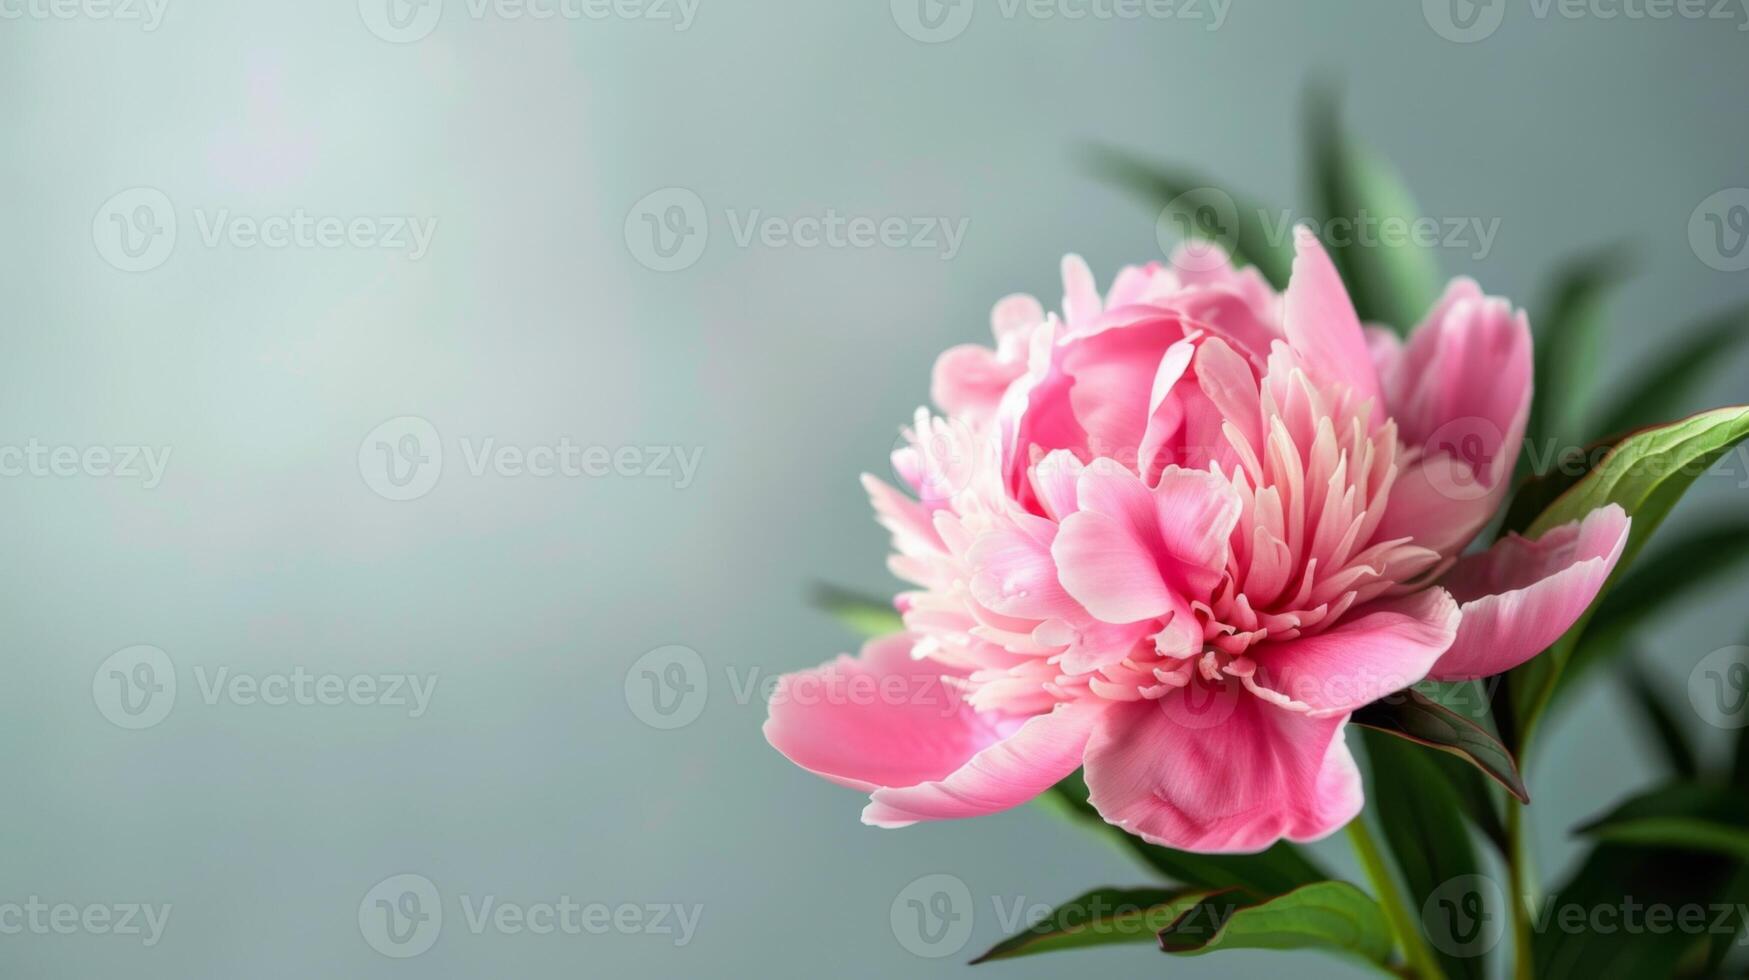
(1694, 560)
(1735, 894)
(1646, 474)
(1660, 720)
(1664, 389)
(1102, 917)
(1395, 282)
(1649, 471)
(1413, 716)
(1476, 793)
(1680, 833)
(1422, 819)
(1740, 760)
(863, 615)
(1281, 868)
(1685, 816)
(1333, 916)
(1552, 471)
(1254, 239)
(1568, 329)
(1631, 870)
(1618, 880)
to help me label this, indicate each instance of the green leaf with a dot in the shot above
(1473, 699)
(1476, 795)
(1567, 341)
(1330, 915)
(1422, 819)
(1617, 880)
(1740, 760)
(1663, 389)
(1695, 560)
(1660, 720)
(1281, 868)
(1685, 816)
(1681, 833)
(1253, 241)
(1650, 857)
(1735, 894)
(1392, 282)
(1646, 473)
(1552, 471)
(864, 616)
(1102, 917)
(1413, 716)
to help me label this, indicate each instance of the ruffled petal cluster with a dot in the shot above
(1174, 536)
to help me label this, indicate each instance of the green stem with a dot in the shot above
(1521, 896)
(1403, 922)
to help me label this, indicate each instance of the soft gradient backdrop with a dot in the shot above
(533, 317)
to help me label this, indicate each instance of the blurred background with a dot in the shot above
(389, 387)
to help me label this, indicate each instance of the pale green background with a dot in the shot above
(530, 320)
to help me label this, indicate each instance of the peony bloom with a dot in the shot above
(1176, 536)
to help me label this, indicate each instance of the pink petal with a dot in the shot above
(910, 522)
(1321, 325)
(1116, 374)
(1233, 776)
(1470, 359)
(1386, 350)
(1081, 302)
(1008, 773)
(1034, 411)
(1130, 552)
(1089, 645)
(1134, 284)
(1231, 386)
(1165, 410)
(880, 719)
(1053, 481)
(1378, 649)
(1014, 575)
(1013, 320)
(969, 380)
(1247, 325)
(1461, 392)
(1196, 513)
(1102, 563)
(1438, 503)
(1520, 596)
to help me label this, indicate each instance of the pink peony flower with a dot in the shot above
(1175, 537)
